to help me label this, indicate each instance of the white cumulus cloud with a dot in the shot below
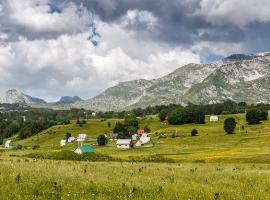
(70, 64)
(38, 16)
(236, 12)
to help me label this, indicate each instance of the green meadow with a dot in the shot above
(22, 178)
(251, 144)
(212, 165)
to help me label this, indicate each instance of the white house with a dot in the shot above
(71, 139)
(145, 140)
(93, 114)
(63, 142)
(135, 137)
(8, 144)
(138, 143)
(123, 143)
(82, 137)
(214, 118)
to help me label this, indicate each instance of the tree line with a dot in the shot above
(25, 121)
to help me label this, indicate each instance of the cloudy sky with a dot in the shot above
(51, 48)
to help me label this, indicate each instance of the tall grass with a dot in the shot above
(24, 178)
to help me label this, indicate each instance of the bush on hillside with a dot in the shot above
(264, 114)
(128, 128)
(198, 117)
(194, 132)
(163, 115)
(181, 116)
(255, 116)
(101, 140)
(229, 125)
(35, 146)
(147, 129)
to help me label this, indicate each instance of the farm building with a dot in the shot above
(138, 143)
(82, 137)
(84, 149)
(123, 143)
(71, 139)
(8, 144)
(63, 142)
(214, 118)
(114, 136)
(145, 139)
(135, 137)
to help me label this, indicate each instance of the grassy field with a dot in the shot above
(44, 179)
(211, 145)
(212, 165)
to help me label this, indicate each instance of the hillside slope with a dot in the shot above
(237, 77)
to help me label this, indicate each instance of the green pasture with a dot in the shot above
(248, 144)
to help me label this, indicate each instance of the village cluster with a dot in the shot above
(140, 139)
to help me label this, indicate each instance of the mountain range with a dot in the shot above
(13, 96)
(238, 77)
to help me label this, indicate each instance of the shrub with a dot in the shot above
(199, 117)
(264, 115)
(253, 116)
(147, 129)
(229, 125)
(194, 132)
(36, 146)
(101, 140)
(70, 155)
(180, 116)
(163, 115)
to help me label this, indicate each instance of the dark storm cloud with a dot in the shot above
(178, 23)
